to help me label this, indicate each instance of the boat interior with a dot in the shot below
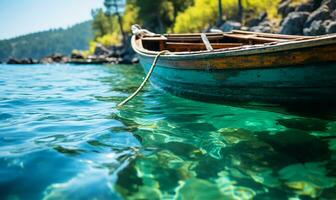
(211, 41)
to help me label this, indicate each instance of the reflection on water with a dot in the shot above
(61, 137)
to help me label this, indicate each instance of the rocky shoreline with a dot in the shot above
(102, 55)
(314, 17)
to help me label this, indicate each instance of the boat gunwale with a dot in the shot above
(237, 51)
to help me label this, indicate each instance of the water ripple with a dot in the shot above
(61, 133)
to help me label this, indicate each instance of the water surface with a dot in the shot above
(61, 137)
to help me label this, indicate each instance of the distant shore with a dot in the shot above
(103, 55)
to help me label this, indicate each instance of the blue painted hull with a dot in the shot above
(293, 84)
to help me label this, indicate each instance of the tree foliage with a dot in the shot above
(204, 12)
(158, 16)
(103, 24)
(196, 17)
(155, 15)
(131, 16)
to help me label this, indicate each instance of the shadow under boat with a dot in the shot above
(315, 109)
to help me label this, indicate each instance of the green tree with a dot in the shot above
(180, 5)
(240, 11)
(101, 24)
(203, 13)
(131, 15)
(197, 17)
(220, 13)
(113, 7)
(156, 15)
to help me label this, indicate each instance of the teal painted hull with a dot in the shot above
(292, 84)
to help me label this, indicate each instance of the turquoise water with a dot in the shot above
(61, 137)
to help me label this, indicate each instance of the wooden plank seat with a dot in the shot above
(195, 38)
(254, 38)
(191, 35)
(271, 35)
(178, 46)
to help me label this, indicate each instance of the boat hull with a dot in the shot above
(285, 72)
(291, 84)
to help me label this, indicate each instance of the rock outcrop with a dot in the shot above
(294, 23)
(54, 58)
(118, 54)
(27, 61)
(315, 17)
(261, 24)
(321, 14)
(230, 25)
(285, 8)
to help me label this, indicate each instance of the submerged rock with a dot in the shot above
(198, 189)
(210, 167)
(304, 124)
(145, 192)
(181, 149)
(235, 135)
(68, 151)
(307, 179)
(128, 181)
(298, 145)
(231, 188)
(266, 177)
(162, 169)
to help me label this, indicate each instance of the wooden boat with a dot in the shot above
(241, 66)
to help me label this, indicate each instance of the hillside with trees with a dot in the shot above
(296, 17)
(113, 29)
(176, 16)
(42, 44)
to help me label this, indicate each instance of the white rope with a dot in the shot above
(144, 81)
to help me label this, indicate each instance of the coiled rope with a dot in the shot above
(144, 81)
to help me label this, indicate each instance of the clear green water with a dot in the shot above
(61, 137)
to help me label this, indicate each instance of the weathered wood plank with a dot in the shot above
(319, 54)
(176, 46)
(191, 34)
(271, 35)
(254, 38)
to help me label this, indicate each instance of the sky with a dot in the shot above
(18, 17)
